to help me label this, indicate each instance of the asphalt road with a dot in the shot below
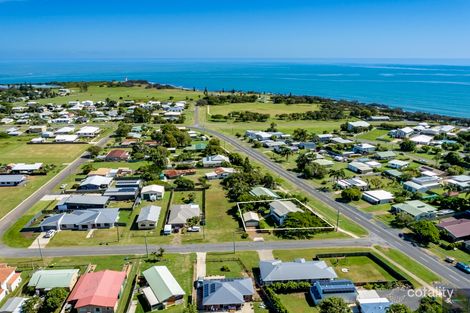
(378, 231)
(8, 220)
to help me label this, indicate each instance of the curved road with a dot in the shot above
(376, 229)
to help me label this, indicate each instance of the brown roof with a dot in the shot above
(458, 228)
(176, 173)
(5, 272)
(117, 154)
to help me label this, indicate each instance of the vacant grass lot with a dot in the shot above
(266, 108)
(298, 302)
(359, 268)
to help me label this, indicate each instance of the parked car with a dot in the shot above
(194, 229)
(449, 259)
(49, 234)
(463, 267)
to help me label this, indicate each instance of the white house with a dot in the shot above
(377, 196)
(398, 164)
(404, 132)
(152, 192)
(353, 126)
(148, 217)
(364, 148)
(359, 167)
(251, 219)
(66, 138)
(88, 131)
(422, 139)
(422, 184)
(214, 160)
(280, 209)
(352, 182)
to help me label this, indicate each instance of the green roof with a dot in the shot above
(48, 279)
(415, 207)
(263, 192)
(394, 173)
(385, 154)
(162, 283)
(197, 146)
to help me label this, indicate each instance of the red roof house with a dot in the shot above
(118, 155)
(9, 280)
(456, 228)
(98, 291)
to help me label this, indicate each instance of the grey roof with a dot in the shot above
(127, 182)
(226, 291)
(84, 199)
(12, 178)
(149, 213)
(96, 180)
(385, 154)
(82, 217)
(282, 208)
(263, 191)
(180, 213)
(130, 191)
(276, 270)
(12, 304)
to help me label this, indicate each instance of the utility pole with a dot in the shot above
(337, 221)
(146, 247)
(117, 232)
(233, 242)
(40, 251)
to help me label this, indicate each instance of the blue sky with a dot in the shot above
(234, 29)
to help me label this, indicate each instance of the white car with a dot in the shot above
(194, 229)
(49, 234)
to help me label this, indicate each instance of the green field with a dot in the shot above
(266, 108)
(359, 269)
(297, 302)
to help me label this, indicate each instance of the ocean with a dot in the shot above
(440, 89)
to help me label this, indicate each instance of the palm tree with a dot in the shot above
(437, 158)
(337, 174)
(450, 188)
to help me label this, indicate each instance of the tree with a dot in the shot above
(272, 127)
(123, 129)
(184, 183)
(337, 174)
(376, 182)
(304, 159)
(429, 305)
(301, 220)
(285, 152)
(191, 308)
(426, 232)
(401, 220)
(54, 299)
(455, 170)
(300, 134)
(407, 145)
(87, 168)
(351, 194)
(31, 305)
(94, 151)
(159, 157)
(398, 308)
(334, 305)
(141, 115)
(314, 170)
(453, 158)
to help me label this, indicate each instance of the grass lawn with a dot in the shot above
(417, 269)
(459, 255)
(249, 259)
(14, 238)
(360, 269)
(375, 135)
(297, 302)
(266, 108)
(214, 267)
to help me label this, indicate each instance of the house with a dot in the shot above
(22, 168)
(280, 209)
(66, 138)
(148, 217)
(357, 126)
(95, 183)
(461, 182)
(263, 192)
(324, 162)
(13, 305)
(422, 184)
(272, 271)
(416, 209)
(80, 202)
(341, 141)
(97, 292)
(163, 290)
(11, 180)
(152, 192)
(66, 130)
(338, 288)
(308, 145)
(118, 155)
(36, 129)
(352, 182)
(385, 155)
(220, 173)
(377, 196)
(251, 219)
(324, 137)
(88, 131)
(393, 173)
(121, 193)
(9, 280)
(129, 183)
(171, 116)
(81, 220)
(37, 140)
(422, 139)
(359, 167)
(214, 160)
(404, 132)
(226, 294)
(379, 118)
(181, 213)
(456, 228)
(369, 301)
(364, 148)
(45, 280)
(196, 147)
(398, 164)
(170, 174)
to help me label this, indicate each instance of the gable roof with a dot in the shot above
(96, 180)
(263, 192)
(12, 178)
(153, 189)
(12, 304)
(276, 270)
(84, 199)
(282, 208)
(5, 272)
(149, 213)
(415, 207)
(180, 213)
(98, 289)
(162, 283)
(48, 279)
(459, 228)
(226, 291)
